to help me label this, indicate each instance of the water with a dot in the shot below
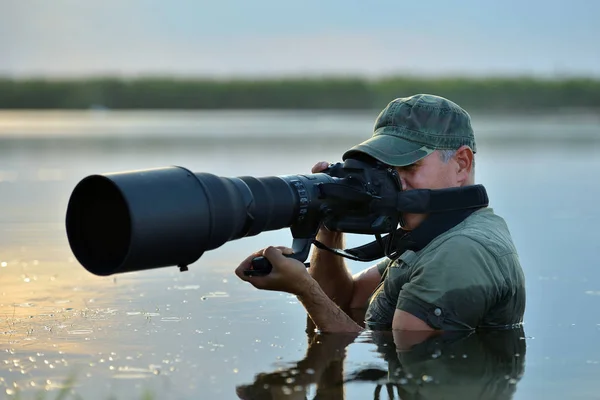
(205, 334)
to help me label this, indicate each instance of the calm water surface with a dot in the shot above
(204, 334)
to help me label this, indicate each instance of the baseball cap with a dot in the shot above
(410, 128)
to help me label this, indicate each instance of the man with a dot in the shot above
(467, 277)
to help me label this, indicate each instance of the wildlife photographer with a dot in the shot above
(464, 272)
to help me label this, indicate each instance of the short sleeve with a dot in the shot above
(382, 265)
(452, 286)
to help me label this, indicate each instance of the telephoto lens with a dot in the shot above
(144, 219)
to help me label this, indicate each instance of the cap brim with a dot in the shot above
(390, 150)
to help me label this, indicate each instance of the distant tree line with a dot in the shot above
(502, 94)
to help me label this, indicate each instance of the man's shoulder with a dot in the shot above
(482, 229)
(457, 249)
(477, 251)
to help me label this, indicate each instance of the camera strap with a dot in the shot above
(446, 207)
(426, 201)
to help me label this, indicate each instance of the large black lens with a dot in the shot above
(98, 224)
(170, 216)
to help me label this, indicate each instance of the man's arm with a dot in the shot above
(330, 271)
(404, 321)
(290, 276)
(326, 315)
(365, 283)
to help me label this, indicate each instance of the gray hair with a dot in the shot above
(446, 155)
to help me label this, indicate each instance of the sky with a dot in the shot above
(311, 37)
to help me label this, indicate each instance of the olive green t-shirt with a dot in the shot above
(466, 278)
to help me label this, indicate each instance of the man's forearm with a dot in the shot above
(330, 271)
(327, 316)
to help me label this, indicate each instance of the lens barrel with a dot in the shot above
(139, 220)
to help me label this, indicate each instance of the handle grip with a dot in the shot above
(261, 266)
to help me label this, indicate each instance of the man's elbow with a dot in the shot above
(404, 321)
(409, 330)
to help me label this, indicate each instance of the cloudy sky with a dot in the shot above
(282, 37)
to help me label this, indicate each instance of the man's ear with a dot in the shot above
(464, 161)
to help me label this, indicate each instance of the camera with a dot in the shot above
(144, 219)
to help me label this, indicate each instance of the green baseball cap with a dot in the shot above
(410, 128)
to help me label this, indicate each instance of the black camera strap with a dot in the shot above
(447, 208)
(426, 201)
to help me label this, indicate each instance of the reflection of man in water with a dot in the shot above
(464, 278)
(456, 365)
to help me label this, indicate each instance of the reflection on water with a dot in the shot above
(484, 365)
(205, 334)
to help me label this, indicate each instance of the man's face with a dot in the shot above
(428, 173)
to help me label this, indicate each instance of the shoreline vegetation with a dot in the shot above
(501, 94)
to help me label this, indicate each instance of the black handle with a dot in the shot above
(261, 266)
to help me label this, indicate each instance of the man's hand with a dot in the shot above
(319, 167)
(288, 274)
